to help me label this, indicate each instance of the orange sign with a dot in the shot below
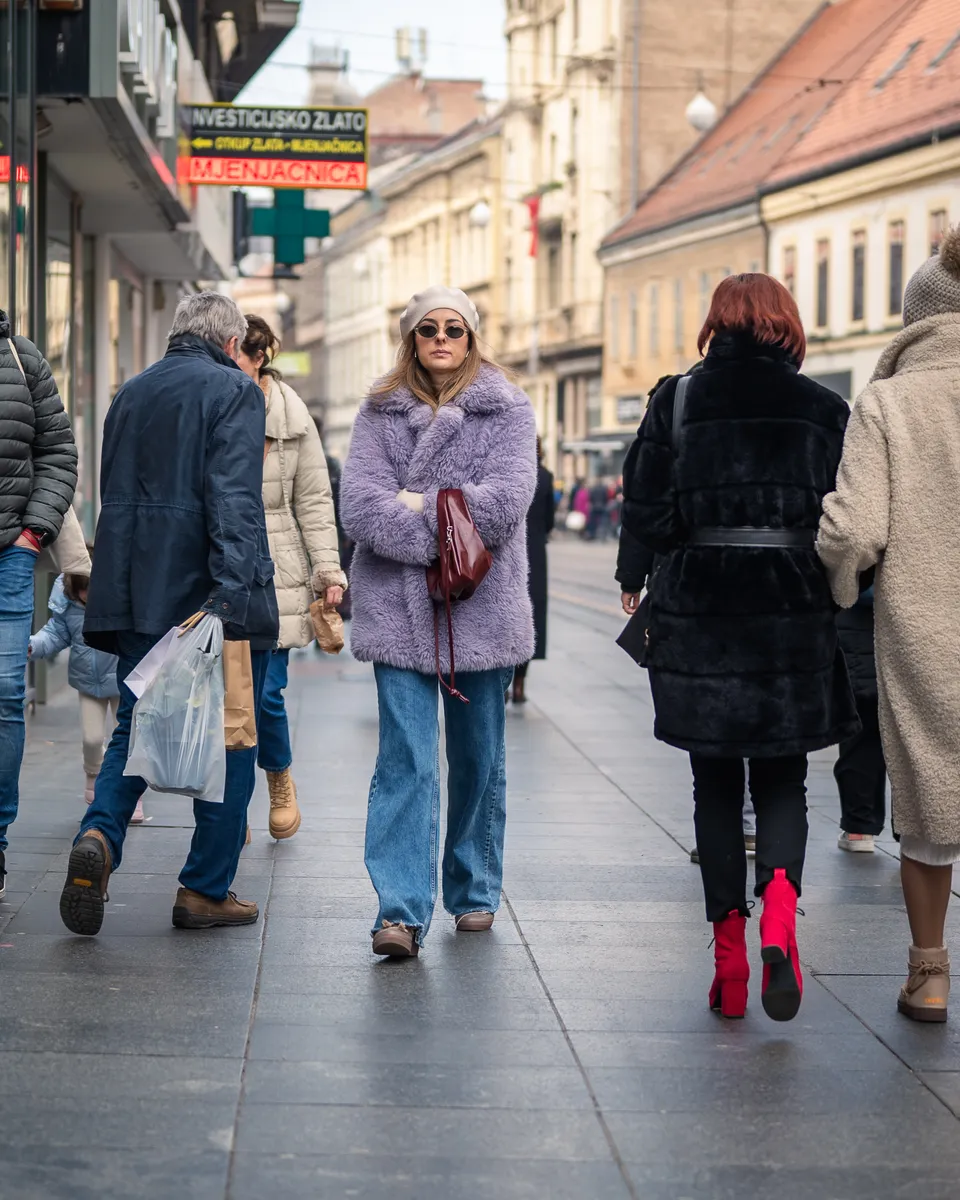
(273, 172)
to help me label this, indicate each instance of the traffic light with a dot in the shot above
(241, 226)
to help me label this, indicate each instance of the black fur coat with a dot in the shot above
(744, 660)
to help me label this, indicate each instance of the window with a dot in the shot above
(945, 53)
(632, 329)
(678, 315)
(554, 51)
(573, 268)
(615, 328)
(655, 319)
(554, 282)
(575, 20)
(859, 274)
(823, 283)
(553, 157)
(938, 229)
(704, 295)
(790, 269)
(508, 287)
(897, 67)
(574, 134)
(895, 271)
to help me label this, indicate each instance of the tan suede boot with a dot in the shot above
(284, 810)
(924, 996)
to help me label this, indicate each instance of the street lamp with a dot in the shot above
(701, 111)
(480, 214)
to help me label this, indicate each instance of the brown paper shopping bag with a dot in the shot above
(239, 710)
(327, 627)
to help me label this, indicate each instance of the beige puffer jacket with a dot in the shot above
(299, 507)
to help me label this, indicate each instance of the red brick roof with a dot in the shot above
(910, 87)
(769, 129)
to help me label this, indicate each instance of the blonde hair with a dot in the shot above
(410, 373)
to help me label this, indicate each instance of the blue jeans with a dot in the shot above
(16, 621)
(220, 828)
(273, 730)
(403, 814)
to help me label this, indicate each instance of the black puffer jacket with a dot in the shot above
(38, 456)
(744, 660)
(856, 640)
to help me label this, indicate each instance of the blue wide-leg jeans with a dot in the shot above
(403, 814)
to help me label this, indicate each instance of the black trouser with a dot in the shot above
(779, 794)
(861, 775)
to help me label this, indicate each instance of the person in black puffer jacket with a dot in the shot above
(38, 470)
(861, 770)
(743, 654)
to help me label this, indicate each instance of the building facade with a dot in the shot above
(97, 239)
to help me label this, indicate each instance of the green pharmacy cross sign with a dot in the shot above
(288, 223)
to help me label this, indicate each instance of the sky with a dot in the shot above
(464, 41)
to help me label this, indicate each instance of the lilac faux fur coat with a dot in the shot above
(483, 442)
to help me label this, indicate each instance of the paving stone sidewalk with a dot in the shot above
(569, 1055)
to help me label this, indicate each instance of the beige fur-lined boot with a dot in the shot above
(284, 810)
(924, 996)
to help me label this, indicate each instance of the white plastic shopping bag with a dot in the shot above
(176, 738)
(146, 669)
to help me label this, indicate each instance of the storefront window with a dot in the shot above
(58, 303)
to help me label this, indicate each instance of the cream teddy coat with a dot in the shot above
(897, 506)
(298, 503)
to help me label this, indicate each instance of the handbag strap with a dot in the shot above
(679, 412)
(16, 359)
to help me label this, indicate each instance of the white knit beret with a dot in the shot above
(438, 297)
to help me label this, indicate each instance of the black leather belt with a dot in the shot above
(805, 539)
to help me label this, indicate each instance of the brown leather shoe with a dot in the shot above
(284, 810)
(85, 891)
(193, 911)
(475, 922)
(396, 941)
(924, 996)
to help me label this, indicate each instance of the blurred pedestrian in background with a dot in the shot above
(302, 528)
(743, 654)
(895, 509)
(91, 673)
(38, 469)
(444, 417)
(860, 769)
(181, 530)
(540, 521)
(598, 520)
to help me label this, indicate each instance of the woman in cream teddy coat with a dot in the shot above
(895, 509)
(302, 529)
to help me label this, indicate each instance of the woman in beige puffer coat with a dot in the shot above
(895, 509)
(302, 529)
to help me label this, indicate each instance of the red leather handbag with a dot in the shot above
(458, 572)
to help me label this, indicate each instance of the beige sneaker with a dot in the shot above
(284, 810)
(924, 996)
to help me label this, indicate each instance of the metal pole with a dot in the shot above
(635, 120)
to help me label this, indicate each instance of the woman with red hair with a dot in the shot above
(731, 470)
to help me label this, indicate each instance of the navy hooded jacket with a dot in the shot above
(181, 523)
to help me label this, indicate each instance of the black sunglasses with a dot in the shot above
(430, 329)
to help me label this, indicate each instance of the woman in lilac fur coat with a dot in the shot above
(445, 417)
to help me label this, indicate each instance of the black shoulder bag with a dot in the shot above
(635, 638)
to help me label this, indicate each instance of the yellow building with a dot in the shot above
(443, 225)
(705, 219)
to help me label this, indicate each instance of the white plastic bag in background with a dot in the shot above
(176, 738)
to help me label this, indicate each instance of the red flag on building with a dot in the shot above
(533, 208)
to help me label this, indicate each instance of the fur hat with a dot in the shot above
(438, 297)
(935, 288)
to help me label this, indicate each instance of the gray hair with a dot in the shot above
(209, 315)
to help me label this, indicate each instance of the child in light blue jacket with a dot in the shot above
(92, 673)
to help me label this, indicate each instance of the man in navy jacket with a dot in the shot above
(181, 530)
